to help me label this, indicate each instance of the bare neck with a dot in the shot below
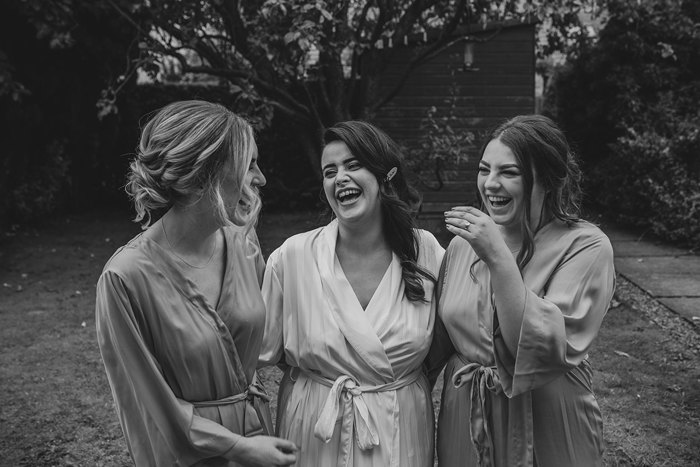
(191, 228)
(361, 239)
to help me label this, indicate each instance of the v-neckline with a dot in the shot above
(183, 282)
(374, 293)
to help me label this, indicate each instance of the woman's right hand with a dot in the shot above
(265, 451)
(479, 229)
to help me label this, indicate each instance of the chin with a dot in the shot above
(237, 216)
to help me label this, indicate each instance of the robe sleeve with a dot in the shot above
(558, 328)
(441, 347)
(160, 429)
(434, 252)
(273, 295)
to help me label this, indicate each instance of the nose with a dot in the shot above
(258, 178)
(341, 177)
(491, 181)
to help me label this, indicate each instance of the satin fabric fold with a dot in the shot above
(484, 382)
(355, 418)
(316, 322)
(545, 411)
(166, 349)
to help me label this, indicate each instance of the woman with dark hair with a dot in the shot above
(523, 291)
(179, 312)
(351, 311)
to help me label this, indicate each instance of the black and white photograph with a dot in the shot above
(352, 233)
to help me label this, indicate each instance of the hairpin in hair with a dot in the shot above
(391, 174)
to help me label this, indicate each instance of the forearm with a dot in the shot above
(509, 295)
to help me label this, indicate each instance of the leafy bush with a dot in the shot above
(629, 102)
(39, 194)
(443, 146)
(657, 182)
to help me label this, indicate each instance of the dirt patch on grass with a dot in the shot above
(56, 408)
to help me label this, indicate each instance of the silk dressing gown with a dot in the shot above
(171, 357)
(535, 407)
(355, 393)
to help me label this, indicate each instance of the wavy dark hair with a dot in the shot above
(542, 150)
(378, 153)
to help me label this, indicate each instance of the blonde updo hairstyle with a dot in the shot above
(185, 152)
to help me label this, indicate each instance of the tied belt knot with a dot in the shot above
(252, 391)
(355, 419)
(484, 382)
(355, 415)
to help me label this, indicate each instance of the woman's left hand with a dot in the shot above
(479, 230)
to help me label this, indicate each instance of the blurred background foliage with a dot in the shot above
(631, 102)
(77, 78)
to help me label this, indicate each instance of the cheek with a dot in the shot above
(329, 189)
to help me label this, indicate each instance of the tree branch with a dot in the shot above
(410, 16)
(268, 89)
(444, 42)
(425, 56)
(230, 13)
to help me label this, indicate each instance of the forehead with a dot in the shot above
(497, 153)
(334, 153)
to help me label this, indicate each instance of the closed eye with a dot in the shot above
(329, 173)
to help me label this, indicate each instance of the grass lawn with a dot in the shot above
(56, 408)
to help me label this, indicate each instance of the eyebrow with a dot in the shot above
(349, 159)
(504, 166)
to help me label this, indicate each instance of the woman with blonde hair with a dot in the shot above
(179, 312)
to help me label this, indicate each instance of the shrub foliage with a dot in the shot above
(630, 101)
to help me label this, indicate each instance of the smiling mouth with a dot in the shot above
(499, 201)
(347, 195)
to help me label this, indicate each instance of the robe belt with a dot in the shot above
(484, 382)
(254, 390)
(355, 417)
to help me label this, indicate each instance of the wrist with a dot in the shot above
(500, 258)
(234, 452)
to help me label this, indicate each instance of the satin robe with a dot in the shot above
(536, 407)
(378, 412)
(168, 352)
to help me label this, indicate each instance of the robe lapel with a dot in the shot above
(389, 293)
(189, 290)
(352, 320)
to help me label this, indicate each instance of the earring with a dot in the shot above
(391, 174)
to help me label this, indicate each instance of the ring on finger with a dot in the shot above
(466, 224)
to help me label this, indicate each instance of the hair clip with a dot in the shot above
(391, 174)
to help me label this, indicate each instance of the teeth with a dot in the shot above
(342, 195)
(498, 200)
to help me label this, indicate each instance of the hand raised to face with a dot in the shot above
(478, 229)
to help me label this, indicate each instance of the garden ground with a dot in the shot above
(56, 409)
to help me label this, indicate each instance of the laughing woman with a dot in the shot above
(351, 311)
(524, 290)
(179, 313)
